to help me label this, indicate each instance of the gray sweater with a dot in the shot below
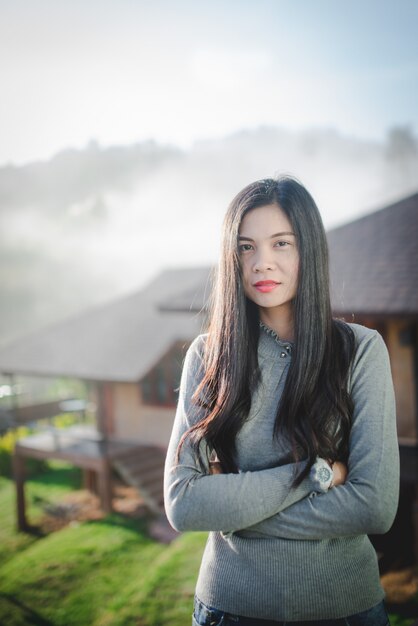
(283, 553)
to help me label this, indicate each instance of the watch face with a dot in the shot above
(324, 474)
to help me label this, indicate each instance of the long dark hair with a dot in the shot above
(315, 409)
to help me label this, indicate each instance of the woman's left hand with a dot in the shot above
(340, 472)
(215, 467)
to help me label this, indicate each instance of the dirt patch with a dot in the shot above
(82, 505)
(400, 586)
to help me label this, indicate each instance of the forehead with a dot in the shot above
(265, 221)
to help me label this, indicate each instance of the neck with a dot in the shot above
(282, 322)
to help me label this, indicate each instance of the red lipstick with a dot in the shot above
(265, 286)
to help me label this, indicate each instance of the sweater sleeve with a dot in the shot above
(366, 503)
(195, 499)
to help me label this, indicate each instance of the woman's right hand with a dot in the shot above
(340, 472)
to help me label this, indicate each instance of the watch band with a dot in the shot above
(322, 474)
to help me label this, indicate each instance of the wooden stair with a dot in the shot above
(143, 468)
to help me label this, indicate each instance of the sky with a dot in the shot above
(123, 71)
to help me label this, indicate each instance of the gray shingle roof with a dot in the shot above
(374, 262)
(120, 341)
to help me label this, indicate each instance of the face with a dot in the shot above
(269, 258)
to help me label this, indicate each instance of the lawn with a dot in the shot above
(106, 572)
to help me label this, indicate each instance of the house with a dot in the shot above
(374, 277)
(130, 352)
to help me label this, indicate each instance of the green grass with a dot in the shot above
(45, 488)
(395, 620)
(98, 573)
(106, 572)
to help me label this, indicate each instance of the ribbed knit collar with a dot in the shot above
(270, 342)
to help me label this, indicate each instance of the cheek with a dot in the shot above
(296, 276)
(243, 269)
(292, 275)
(295, 269)
(245, 277)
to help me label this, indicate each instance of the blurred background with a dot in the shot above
(126, 127)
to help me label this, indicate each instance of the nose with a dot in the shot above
(262, 262)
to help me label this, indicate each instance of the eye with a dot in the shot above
(244, 247)
(283, 244)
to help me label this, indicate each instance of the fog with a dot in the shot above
(89, 225)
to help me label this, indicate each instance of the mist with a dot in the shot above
(90, 225)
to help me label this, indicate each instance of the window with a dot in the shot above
(160, 386)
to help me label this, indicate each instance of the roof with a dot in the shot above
(119, 341)
(374, 262)
(194, 298)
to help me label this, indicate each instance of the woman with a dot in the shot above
(278, 401)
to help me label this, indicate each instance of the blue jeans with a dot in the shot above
(208, 616)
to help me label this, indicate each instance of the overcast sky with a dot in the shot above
(121, 71)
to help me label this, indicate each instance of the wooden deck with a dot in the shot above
(82, 446)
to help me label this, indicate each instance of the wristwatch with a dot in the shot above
(322, 474)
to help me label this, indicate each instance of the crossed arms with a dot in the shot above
(264, 502)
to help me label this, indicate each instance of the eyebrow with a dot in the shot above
(241, 238)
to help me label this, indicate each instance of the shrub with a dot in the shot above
(7, 444)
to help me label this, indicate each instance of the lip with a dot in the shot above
(265, 286)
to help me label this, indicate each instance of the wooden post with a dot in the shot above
(19, 474)
(105, 486)
(105, 408)
(90, 480)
